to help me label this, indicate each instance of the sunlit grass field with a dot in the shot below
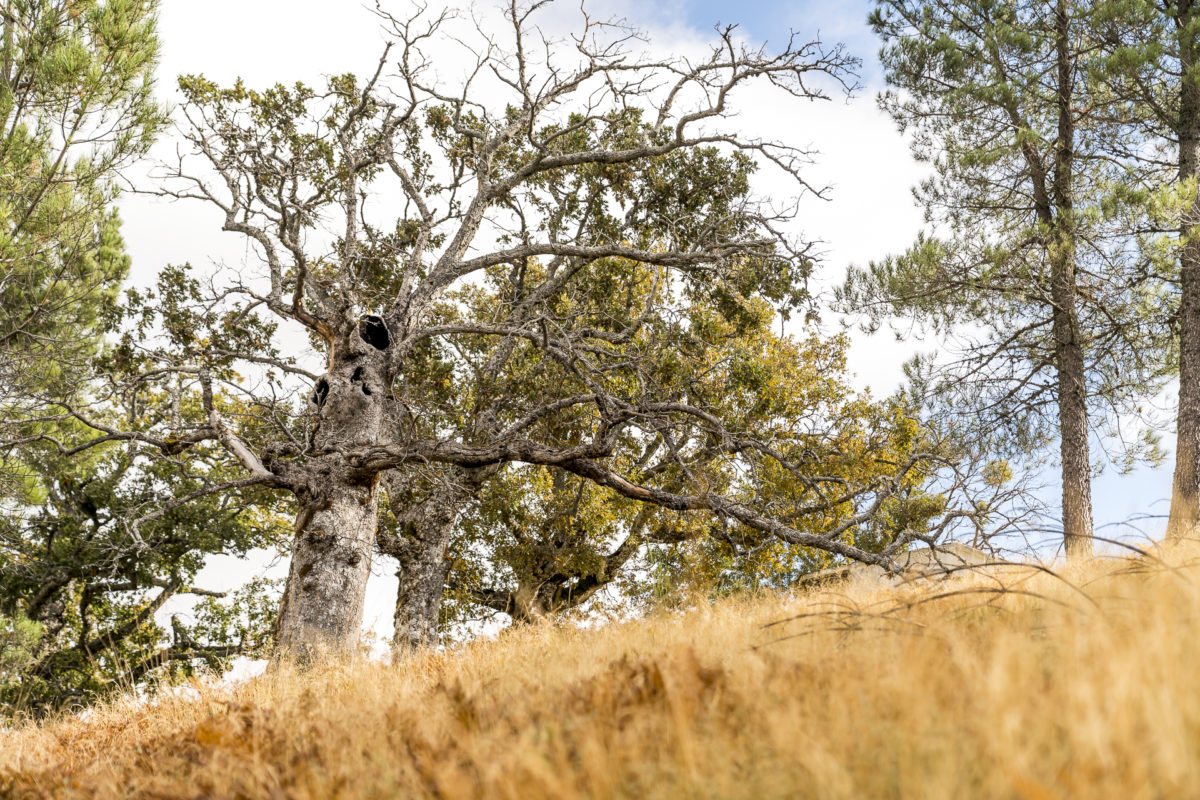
(1079, 681)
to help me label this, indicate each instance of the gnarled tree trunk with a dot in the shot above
(331, 561)
(540, 597)
(425, 528)
(422, 578)
(420, 548)
(322, 606)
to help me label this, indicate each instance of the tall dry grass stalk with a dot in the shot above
(1012, 683)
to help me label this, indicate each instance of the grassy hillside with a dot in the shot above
(1018, 683)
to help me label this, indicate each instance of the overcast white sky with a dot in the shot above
(862, 159)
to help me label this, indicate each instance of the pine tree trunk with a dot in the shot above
(1064, 289)
(322, 606)
(1072, 417)
(1185, 498)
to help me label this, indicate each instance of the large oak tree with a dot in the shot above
(371, 203)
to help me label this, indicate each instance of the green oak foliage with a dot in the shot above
(102, 540)
(94, 564)
(93, 581)
(534, 542)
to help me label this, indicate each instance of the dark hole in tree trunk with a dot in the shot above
(321, 392)
(374, 332)
(360, 376)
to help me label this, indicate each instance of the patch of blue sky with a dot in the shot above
(772, 20)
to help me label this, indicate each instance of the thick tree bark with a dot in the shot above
(420, 550)
(1072, 416)
(322, 606)
(426, 527)
(1068, 347)
(524, 605)
(422, 578)
(1185, 499)
(530, 603)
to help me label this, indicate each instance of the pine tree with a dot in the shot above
(1029, 272)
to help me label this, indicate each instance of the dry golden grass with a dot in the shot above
(1085, 684)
